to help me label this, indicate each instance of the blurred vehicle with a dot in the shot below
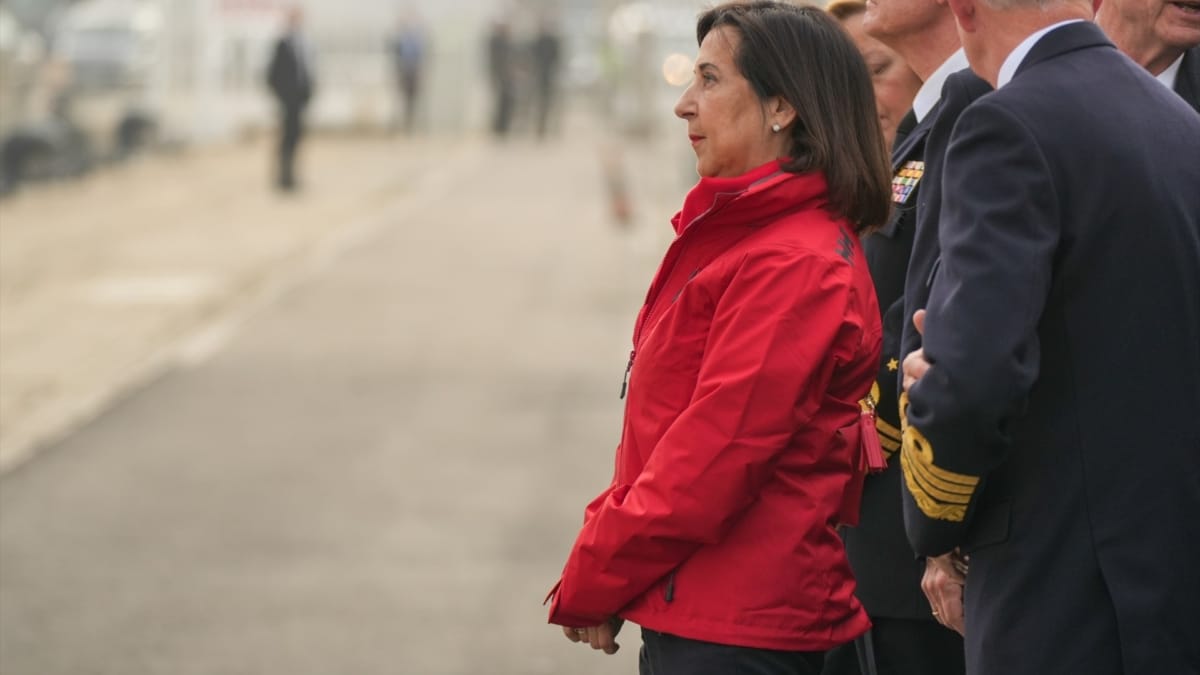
(112, 50)
(119, 77)
(84, 100)
(35, 140)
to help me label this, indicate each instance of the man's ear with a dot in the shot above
(964, 14)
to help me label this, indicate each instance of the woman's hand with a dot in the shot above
(602, 637)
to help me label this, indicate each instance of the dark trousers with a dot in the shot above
(904, 647)
(665, 654)
(545, 103)
(290, 131)
(502, 113)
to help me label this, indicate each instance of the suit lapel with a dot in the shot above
(912, 142)
(1187, 80)
(906, 126)
(908, 167)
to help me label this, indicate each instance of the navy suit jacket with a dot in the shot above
(1055, 438)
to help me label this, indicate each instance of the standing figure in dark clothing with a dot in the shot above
(1064, 480)
(408, 48)
(547, 58)
(501, 67)
(290, 78)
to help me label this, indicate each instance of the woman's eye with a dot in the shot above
(708, 78)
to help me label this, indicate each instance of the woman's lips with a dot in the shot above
(694, 138)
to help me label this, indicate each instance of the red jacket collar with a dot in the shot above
(757, 195)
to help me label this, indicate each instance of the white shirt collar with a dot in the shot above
(1168, 76)
(1010, 65)
(931, 90)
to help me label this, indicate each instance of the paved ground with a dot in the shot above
(375, 455)
(97, 278)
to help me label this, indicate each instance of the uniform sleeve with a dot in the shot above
(775, 335)
(884, 391)
(998, 231)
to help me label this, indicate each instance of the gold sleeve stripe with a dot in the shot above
(889, 444)
(885, 428)
(933, 509)
(940, 494)
(953, 496)
(923, 464)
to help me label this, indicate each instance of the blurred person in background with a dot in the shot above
(1163, 37)
(290, 77)
(895, 83)
(409, 47)
(759, 336)
(546, 51)
(501, 67)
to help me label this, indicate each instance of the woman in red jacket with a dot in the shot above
(759, 335)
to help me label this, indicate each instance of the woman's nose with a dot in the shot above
(685, 107)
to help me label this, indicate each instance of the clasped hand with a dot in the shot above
(943, 582)
(602, 637)
(915, 364)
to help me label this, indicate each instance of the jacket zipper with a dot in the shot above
(652, 296)
(628, 367)
(669, 593)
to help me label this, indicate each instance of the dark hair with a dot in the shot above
(803, 56)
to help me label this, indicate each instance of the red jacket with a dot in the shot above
(759, 336)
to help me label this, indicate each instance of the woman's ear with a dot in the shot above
(780, 112)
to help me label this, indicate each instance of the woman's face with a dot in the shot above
(895, 83)
(729, 127)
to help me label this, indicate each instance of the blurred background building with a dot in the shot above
(86, 82)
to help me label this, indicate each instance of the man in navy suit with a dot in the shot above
(1163, 37)
(1050, 431)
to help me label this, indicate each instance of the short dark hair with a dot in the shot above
(803, 56)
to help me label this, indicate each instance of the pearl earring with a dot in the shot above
(775, 127)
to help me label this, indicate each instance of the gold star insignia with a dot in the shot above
(893, 365)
